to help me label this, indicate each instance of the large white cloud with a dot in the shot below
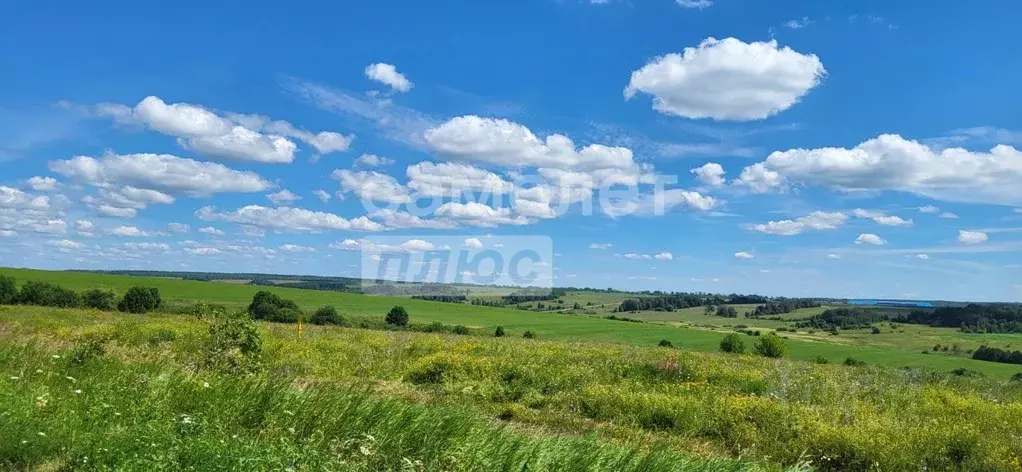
(17, 199)
(162, 172)
(711, 174)
(728, 79)
(232, 136)
(478, 214)
(42, 184)
(870, 238)
(287, 219)
(450, 179)
(387, 74)
(890, 162)
(881, 217)
(372, 186)
(972, 237)
(507, 144)
(815, 221)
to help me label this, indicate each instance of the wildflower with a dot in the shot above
(14, 377)
(39, 371)
(70, 378)
(55, 356)
(205, 384)
(41, 401)
(78, 392)
(41, 434)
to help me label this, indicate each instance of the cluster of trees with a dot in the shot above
(669, 302)
(269, 306)
(770, 345)
(528, 297)
(325, 285)
(737, 299)
(847, 318)
(973, 318)
(724, 311)
(993, 354)
(780, 307)
(442, 298)
(39, 293)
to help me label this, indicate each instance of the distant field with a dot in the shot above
(547, 325)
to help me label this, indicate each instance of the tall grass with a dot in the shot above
(108, 415)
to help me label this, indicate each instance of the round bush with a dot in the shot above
(771, 345)
(665, 343)
(529, 335)
(499, 332)
(8, 290)
(140, 300)
(326, 315)
(460, 329)
(732, 343)
(397, 316)
(99, 299)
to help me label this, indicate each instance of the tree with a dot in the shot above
(99, 299)
(576, 306)
(732, 343)
(772, 345)
(270, 307)
(8, 290)
(47, 294)
(665, 343)
(326, 315)
(529, 335)
(460, 329)
(499, 332)
(397, 316)
(140, 300)
(876, 330)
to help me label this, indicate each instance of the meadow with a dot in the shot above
(703, 333)
(88, 389)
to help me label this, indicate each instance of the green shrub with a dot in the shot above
(326, 315)
(876, 330)
(499, 332)
(8, 290)
(47, 294)
(99, 299)
(732, 343)
(234, 344)
(1017, 377)
(665, 343)
(270, 307)
(140, 300)
(460, 329)
(853, 362)
(820, 360)
(963, 372)
(435, 327)
(397, 316)
(529, 335)
(771, 345)
(88, 348)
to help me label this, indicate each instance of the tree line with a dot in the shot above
(782, 306)
(973, 318)
(136, 300)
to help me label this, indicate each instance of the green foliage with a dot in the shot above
(499, 332)
(875, 330)
(397, 316)
(853, 362)
(46, 294)
(529, 335)
(268, 306)
(665, 343)
(88, 348)
(8, 290)
(140, 300)
(160, 336)
(732, 343)
(771, 345)
(1017, 377)
(460, 329)
(326, 315)
(234, 344)
(820, 360)
(99, 299)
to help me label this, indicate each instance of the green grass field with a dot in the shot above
(547, 325)
(149, 398)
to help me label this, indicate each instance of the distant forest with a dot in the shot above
(971, 318)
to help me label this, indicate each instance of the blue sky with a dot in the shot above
(867, 149)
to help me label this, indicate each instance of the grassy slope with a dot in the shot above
(547, 325)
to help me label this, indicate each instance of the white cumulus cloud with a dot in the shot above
(388, 75)
(972, 237)
(711, 174)
(815, 221)
(870, 238)
(742, 255)
(727, 79)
